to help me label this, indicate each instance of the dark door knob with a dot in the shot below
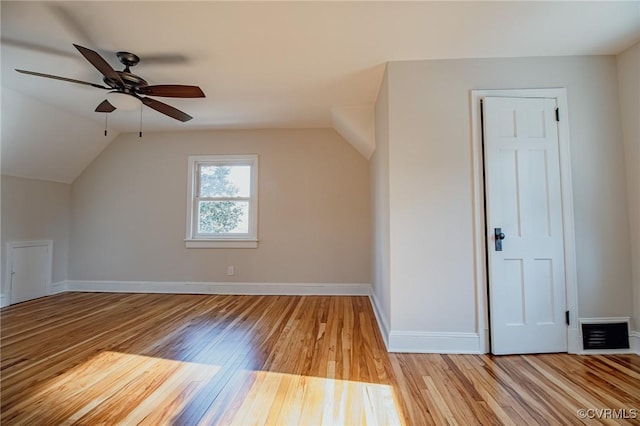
(499, 236)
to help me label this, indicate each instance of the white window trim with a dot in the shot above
(249, 240)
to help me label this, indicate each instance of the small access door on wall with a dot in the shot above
(29, 269)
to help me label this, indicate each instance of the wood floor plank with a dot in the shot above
(89, 358)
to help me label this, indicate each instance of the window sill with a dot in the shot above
(221, 243)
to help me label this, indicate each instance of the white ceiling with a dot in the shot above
(275, 64)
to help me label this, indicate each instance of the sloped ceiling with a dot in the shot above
(39, 141)
(261, 64)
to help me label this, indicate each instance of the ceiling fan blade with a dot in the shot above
(101, 65)
(21, 44)
(172, 91)
(81, 31)
(166, 109)
(70, 80)
(105, 106)
(78, 28)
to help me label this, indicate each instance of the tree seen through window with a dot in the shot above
(221, 206)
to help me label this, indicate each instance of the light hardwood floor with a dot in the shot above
(90, 358)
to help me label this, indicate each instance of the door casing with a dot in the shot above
(479, 239)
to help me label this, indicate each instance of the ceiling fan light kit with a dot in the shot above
(123, 101)
(128, 91)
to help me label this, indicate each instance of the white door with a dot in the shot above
(523, 196)
(29, 271)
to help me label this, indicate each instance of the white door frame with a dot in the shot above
(479, 239)
(9, 263)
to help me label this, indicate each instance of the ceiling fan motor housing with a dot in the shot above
(131, 81)
(128, 59)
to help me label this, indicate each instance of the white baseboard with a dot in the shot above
(634, 342)
(294, 289)
(604, 320)
(434, 342)
(383, 321)
(4, 300)
(424, 342)
(59, 287)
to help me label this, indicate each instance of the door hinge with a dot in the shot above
(557, 114)
(567, 317)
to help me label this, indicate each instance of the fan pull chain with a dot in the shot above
(140, 134)
(105, 123)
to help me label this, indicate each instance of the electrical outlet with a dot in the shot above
(230, 270)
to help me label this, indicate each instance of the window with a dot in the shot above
(223, 201)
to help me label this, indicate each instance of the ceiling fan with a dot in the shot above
(128, 86)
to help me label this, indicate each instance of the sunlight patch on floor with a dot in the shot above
(291, 399)
(165, 389)
(110, 378)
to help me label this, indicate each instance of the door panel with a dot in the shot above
(542, 274)
(539, 192)
(522, 177)
(512, 273)
(508, 185)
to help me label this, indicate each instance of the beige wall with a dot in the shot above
(629, 85)
(34, 210)
(129, 210)
(379, 186)
(430, 184)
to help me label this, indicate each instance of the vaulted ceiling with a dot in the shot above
(261, 64)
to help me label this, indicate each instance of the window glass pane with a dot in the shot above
(223, 217)
(225, 181)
